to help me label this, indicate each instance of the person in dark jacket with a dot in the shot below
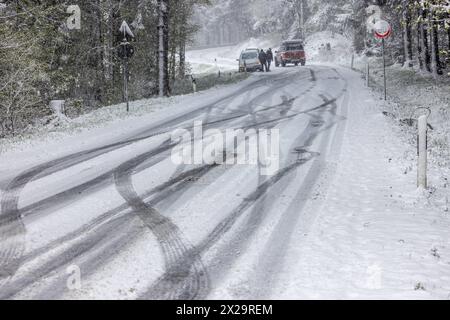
(269, 56)
(263, 59)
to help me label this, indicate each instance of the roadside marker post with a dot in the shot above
(217, 67)
(383, 30)
(368, 74)
(58, 107)
(422, 150)
(125, 83)
(194, 84)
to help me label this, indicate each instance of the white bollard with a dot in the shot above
(58, 107)
(368, 74)
(194, 84)
(422, 149)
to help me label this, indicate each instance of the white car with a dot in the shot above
(249, 61)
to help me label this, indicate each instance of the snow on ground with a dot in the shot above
(45, 227)
(102, 125)
(341, 48)
(365, 231)
(376, 236)
(409, 89)
(224, 58)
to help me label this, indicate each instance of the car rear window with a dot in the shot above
(249, 55)
(293, 47)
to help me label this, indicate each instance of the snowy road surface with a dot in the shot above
(118, 219)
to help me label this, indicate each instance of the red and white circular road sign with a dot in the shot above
(383, 29)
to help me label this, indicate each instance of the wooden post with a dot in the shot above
(384, 69)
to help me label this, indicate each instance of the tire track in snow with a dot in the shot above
(86, 238)
(186, 262)
(182, 281)
(12, 244)
(262, 206)
(191, 262)
(263, 186)
(63, 163)
(272, 257)
(12, 236)
(241, 238)
(255, 217)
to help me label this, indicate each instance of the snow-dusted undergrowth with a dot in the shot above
(56, 128)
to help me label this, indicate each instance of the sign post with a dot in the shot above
(384, 68)
(383, 30)
(126, 51)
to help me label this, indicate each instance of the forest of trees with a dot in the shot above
(42, 58)
(421, 34)
(231, 21)
(421, 27)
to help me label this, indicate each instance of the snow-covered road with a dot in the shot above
(122, 218)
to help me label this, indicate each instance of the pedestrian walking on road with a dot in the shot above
(263, 60)
(269, 56)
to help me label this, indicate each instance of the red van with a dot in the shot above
(292, 51)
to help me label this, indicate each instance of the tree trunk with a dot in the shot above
(182, 58)
(106, 23)
(302, 19)
(173, 62)
(163, 47)
(105, 54)
(407, 43)
(448, 36)
(425, 51)
(166, 47)
(419, 42)
(435, 63)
